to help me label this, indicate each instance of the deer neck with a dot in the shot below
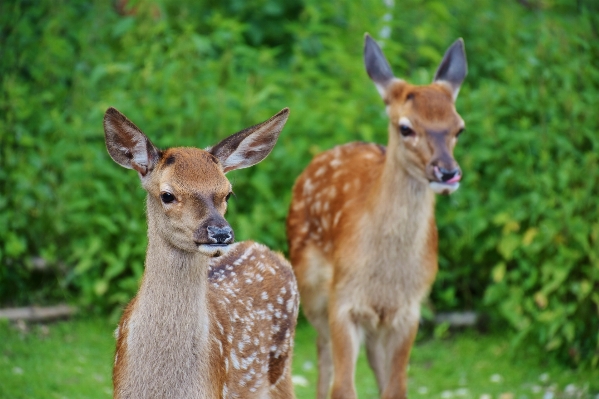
(403, 202)
(181, 275)
(169, 326)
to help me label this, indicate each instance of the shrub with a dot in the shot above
(519, 240)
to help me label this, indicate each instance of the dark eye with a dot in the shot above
(406, 131)
(459, 133)
(167, 197)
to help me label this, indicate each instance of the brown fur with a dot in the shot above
(363, 239)
(207, 321)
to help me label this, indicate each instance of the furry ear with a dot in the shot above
(127, 145)
(453, 68)
(251, 145)
(377, 65)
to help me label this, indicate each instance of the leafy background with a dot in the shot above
(519, 241)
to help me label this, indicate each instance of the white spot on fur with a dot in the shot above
(336, 219)
(320, 171)
(308, 187)
(234, 360)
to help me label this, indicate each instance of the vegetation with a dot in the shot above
(519, 241)
(74, 360)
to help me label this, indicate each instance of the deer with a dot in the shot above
(213, 318)
(361, 228)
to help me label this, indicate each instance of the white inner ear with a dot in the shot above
(239, 158)
(381, 89)
(454, 90)
(140, 153)
(139, 150)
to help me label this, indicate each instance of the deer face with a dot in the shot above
(187, 188)
(424, 125)
(187, 194)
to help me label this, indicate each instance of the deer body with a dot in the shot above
(362, 232)
(212, 318)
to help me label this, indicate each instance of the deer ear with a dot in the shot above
(377, 65)
(251, 145)
(453, 68)
(127, 145)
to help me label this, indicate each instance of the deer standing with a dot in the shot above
(362, 233)
(211, 319)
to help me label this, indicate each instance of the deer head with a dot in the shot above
(187, 187)
(423, 122)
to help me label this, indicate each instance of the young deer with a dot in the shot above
(362, 233)
(212, 319)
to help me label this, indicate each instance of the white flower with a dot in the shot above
(307, 366)
(300, 380)
(570, 389)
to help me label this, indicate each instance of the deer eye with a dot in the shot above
(459, 133)
(167, 197)
(406, 131)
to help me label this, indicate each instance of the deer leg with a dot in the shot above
(284, 388)
(399, 351)
(375, 352)
(345, 344)
(325, 366)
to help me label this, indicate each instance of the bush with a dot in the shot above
(519, 240)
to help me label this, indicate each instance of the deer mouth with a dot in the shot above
(443, 187)
(213, 250)
(445, 181)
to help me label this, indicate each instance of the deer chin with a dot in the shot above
(443, 188)
(214, 250)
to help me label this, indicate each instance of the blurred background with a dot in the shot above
(519, 242)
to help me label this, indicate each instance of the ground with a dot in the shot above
(73, 359)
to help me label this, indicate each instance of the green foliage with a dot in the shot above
(519, 240)
(526, 223)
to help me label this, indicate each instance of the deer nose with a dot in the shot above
(448, 176)
(220, 235)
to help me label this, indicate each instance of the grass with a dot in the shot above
(73, 359)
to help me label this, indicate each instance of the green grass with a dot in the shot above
(73, 360)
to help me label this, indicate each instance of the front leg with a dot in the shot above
(398, 348)
(376, 353)
(345, 342)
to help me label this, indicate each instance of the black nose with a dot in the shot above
(447, 175)
(220, 235)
